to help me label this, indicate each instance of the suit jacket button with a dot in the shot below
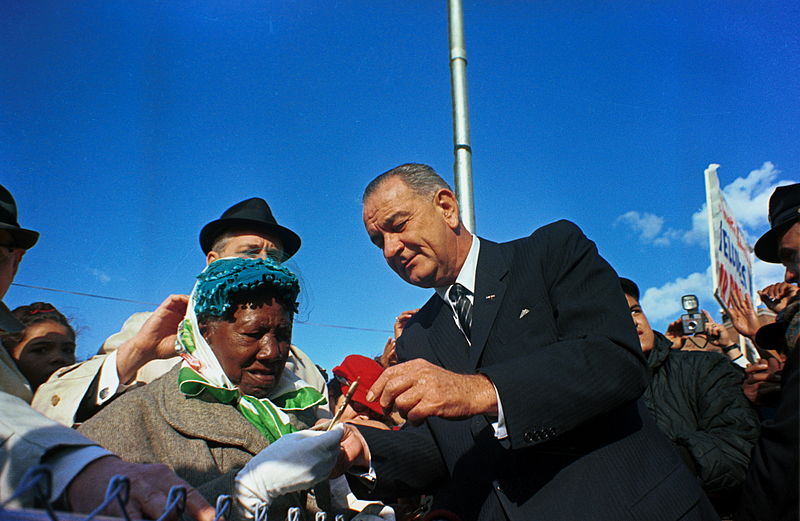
(55, 399)
(104, 393)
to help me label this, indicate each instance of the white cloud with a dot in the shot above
(698, 235)
(647, 225)
(102, 276)
(765, 273)
(662, 305)
(748, 198)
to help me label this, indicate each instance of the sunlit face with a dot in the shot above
(249, 245)
(646, 335)
(253, 347)
(416, 234)
(789, 253)
(45, 347)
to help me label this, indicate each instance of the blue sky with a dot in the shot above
(126, 126)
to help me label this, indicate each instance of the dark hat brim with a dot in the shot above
(23, 238)
(212, 230)
(772, 336)
(766, 247)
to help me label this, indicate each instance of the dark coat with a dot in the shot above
(771, 488)
(697, 401)
(552, 331)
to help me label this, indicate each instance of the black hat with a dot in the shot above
(784, 210)
(250, 214)
(21, 238)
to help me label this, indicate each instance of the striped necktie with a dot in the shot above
(463, 306)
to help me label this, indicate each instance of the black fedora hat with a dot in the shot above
(784, 210)
(20, 237)
(251, 214)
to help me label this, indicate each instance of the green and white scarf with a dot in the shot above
(202, 375)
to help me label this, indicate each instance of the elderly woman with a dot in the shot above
(230, 397)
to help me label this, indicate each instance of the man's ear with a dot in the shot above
(18, 254)
(446, 203)
(212, 256)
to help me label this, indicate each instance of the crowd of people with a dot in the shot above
(517, 391)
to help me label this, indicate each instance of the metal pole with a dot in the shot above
(458, 88)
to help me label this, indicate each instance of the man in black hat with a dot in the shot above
(771, 487)
(248, 229)
(80, 468)
(75, 393)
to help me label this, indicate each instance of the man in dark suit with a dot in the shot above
(771, 486)
(521, 375)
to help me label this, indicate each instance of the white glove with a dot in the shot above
(296, 461)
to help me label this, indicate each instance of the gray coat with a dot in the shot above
(206, 443)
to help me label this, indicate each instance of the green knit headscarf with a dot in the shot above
(215, 295)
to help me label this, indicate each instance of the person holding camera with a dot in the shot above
(696, 399)
(698, 332)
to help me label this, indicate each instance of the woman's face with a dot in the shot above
(45, 347)
(253, 347)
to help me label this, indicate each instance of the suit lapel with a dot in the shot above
(447, 341)
(490, 287)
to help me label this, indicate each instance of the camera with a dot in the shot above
(692, 321)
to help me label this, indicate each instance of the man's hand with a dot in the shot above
(150, 486)
(743, 315)
(155, 340)
(675, 334)
(762, 382)
(353, 451)
(418, 389)
(718, 338)
(777, 296)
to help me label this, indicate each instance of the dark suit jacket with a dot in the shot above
(569, 372)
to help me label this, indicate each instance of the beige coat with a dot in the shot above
(27, 438)
(206, 443)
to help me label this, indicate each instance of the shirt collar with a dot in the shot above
(466, 277)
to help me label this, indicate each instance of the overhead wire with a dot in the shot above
(152, 304)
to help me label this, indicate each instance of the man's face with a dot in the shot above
(646, 335)
(789, 253)
(9, 263)
(416, 234)
(249, 245)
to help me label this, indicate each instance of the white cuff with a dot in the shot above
(741, 361)
(368, 477)
(67, 463)
(108, 385)
(499, 426)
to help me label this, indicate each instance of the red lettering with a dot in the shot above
(724, 283)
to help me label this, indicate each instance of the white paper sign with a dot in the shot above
(731, 258)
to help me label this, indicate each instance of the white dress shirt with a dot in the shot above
(466, 277)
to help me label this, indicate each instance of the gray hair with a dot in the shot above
(422, 179)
